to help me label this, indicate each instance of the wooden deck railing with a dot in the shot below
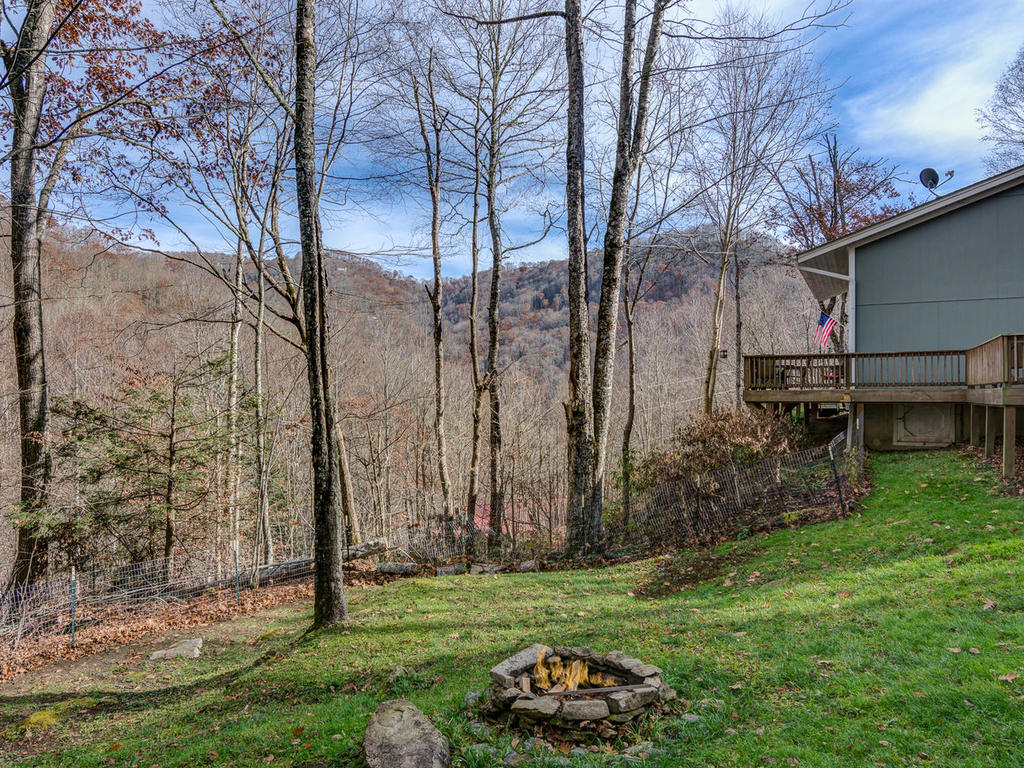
(994, 363)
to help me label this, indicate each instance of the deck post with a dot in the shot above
(851, 427)
(990, 430)
(860, 427)
(1009, 440)
(975, 414)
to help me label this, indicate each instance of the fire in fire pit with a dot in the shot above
(573, 688)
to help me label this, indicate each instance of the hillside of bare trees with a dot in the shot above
(130, 322)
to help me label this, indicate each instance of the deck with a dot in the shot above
(988, 374)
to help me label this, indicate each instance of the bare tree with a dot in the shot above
(831, 193)
(767, 101)
(1003, 118)
(505, 81)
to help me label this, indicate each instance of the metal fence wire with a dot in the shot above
(808, 485)
(812, 484)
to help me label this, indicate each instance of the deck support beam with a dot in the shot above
(975, 427)
(1009, 440)
(990, 430)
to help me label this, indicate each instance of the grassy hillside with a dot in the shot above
(876, 640)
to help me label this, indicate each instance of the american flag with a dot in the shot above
(826, 324)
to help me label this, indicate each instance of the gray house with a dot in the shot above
(935, 329)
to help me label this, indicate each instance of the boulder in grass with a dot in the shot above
(186, 649)
(400, 736)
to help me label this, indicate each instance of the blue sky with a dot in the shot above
(910, 76)
(913, 74)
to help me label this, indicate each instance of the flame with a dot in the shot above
(555, 675)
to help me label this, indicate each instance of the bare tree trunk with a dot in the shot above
(497, 510)
(717, 313)
(630, 139)
(26, 72)
(738, 362)
(478, 384)
(172, 446)
(431, 136)
(234, 468)
(627, 429)
(579, 408)
(262, 459)
(348, 501)
(329, 605)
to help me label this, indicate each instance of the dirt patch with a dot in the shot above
(115, 626)
(687, 569)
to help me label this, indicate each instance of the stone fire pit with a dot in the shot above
(573, 688)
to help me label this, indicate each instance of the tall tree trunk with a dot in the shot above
(736, 294)
(26, 72)
(262, 458)
(717, 314)
(430, 133)
(627, 429)
(474, 357)
(630, 139)
(579, 408)
(329, 605)
(234, 466)
(497, 510)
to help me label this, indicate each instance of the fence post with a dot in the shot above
(73, 605)
(238, 589)
(835, 474)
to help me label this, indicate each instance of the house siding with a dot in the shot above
(948, 283)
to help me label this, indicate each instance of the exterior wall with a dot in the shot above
(933, 425)
(949, 283)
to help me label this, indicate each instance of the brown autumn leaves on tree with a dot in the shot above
(830, 193)
(53, 106)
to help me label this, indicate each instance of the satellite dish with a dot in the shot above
(930, 178)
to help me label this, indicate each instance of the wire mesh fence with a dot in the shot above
(812, 484)
(80, 599)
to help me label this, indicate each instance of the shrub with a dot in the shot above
(709, 441)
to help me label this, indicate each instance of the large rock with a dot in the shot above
(505, 673)
(544, 707)
(186, 649)
(627, 701)
(400, 736)
(584, 709)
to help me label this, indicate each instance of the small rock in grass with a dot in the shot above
(579, 751)
(397, 673)
(471, 700)
(689, 717)
(482, 749)
(643, 748)
(535, 744)
(514, 758)
(480, 730)
(186, 649)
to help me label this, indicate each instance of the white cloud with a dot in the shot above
(917, 74)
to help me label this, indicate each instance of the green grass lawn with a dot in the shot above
(830, 645)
